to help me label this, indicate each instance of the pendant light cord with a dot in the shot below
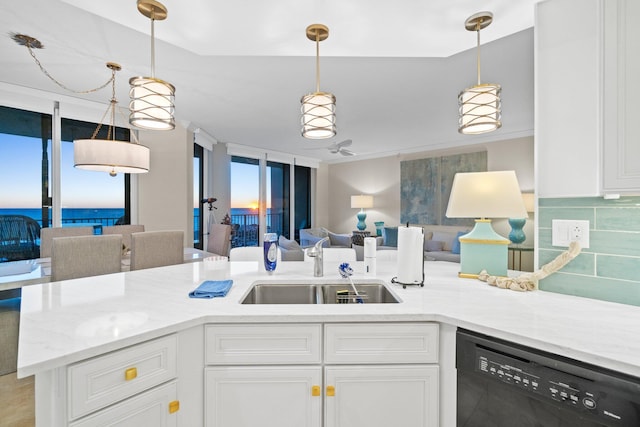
(478, 60)
(317, 61)
(153, 45)
(31, 43)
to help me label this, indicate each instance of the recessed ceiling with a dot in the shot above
(240, 67)
(376, 28)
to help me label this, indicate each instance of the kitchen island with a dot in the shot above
(66, 324)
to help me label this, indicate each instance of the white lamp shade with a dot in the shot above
(107, 155)
(361, 201)
(486, 195)
(479, 109)
(318, 115)
(152, 103)
(529, 201)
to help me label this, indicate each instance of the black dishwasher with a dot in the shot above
(503, 384)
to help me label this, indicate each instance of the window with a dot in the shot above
(26, 169)
(25, 164)
(88, 197)
(198, 195)
(245, 199)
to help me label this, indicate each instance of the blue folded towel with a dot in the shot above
(212, 289)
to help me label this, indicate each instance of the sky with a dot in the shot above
(21, 176)
(21, 172)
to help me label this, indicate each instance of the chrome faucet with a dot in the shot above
(316, 252)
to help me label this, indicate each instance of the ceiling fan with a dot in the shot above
(339, 147)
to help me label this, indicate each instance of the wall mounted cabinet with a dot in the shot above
(586, 63)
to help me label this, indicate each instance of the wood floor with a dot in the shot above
(17, 397)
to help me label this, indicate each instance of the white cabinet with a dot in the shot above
(621, 92)
(157, 407)
(384, 374)
(586, 92)
(374, 374)
(382, 396)
(104, 380)
(132, 386)
(248, 396)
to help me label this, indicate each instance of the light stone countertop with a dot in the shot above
(65, 322)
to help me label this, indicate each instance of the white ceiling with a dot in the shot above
(240, 67)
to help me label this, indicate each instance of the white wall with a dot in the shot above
(381, 178)
(165, 194)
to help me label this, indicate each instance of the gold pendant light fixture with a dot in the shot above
(318, 108)
(479, 106)
(152, 100)
(110, 155)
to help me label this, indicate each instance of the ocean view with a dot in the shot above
(245, 218)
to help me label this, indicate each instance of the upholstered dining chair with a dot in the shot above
(156, 249)
(82, 256)
(47, 234)
(125, 231)
(219, 239)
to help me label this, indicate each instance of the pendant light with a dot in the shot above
(479, 106)
(318, 108)
(110, 155)
(152, 100)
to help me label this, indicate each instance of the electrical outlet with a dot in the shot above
(564, 231)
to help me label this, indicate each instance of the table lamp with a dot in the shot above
(361, 201)
(484, 195)
(516, 235)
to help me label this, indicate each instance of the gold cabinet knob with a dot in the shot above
(130, 374)
(331, 391)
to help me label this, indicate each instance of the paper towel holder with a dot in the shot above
(421, 283)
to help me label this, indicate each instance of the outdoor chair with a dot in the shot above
(19, 236)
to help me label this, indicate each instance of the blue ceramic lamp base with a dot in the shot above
(517, 234)
(483, 249)
(361, 217)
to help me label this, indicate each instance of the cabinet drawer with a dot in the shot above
(151, 408)
(263, 344)
(381, 343)
(98, 382)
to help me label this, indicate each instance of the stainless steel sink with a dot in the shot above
(332, 292)
(370, 293)
(283, 293)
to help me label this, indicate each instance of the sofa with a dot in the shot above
(290, 250)
(440, 242)
(310, 236)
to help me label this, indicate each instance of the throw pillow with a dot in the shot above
(390, 236)
(285, 243)
(290, 250)
(340, 240)
(446, 237)
(455, 247)
(433, 245)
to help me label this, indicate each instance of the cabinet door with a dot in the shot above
(381, 396)
(157, 407)
(249, 396)
(622, 90)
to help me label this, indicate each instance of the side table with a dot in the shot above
(515, 256)
(357, 237)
